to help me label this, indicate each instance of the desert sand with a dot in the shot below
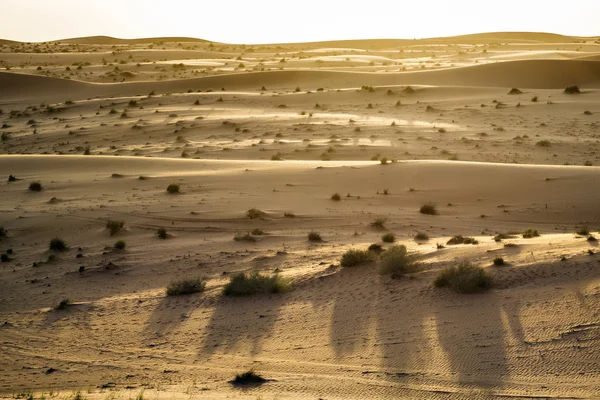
(106, 125)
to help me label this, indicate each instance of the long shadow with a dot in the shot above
(241, 324)
(169, 313)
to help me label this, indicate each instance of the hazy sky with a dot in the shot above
(263, 21)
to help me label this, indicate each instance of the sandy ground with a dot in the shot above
(283, 137)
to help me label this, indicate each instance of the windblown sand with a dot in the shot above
(283, 137)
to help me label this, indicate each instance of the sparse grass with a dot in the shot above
(114, 226)
(354, 257)
(428, 209)
(64, 304)
(185, 286)
(162, 233)
(254, 213)
(120, 245)
(247, 237)
(498, 261)
(396, 261)
(173, 188)
(388, 238)
(466, 278)
(248, 378)
(246, 284)
(35, 187)
(379, 223)
(314, 236)
(421, 236)
(459, 239)
(58, 244)
(336, 197)
(530, 233)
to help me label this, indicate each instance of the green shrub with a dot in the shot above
(35, 186)
(396, 261)
(421, 236)
(173, 188)
(458, 239)
(114, 226)
(388, 238)
(583, 231)
(376, 248)
(530, 233)
(258, 232)
(58, 244)
(355, 257)
(466, 278)
(428, 209)
(120, 245)
(185, 286)
(314, 237)
(248, 378)
(498, 261)
(244, 284)
(162, 233)
(254, 213)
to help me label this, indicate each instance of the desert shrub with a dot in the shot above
(35, 186)
(254, 213)
(498, 261)
(239, 237)
(162, 233)
(185, 286)
(572, 90)
(396, 261)
(3, 232)
(114, 226)
(248, 378)
(534, 99)
(4, 258)
(314, 236)
(257, 232)
(12, 178)
(530, 233)
(379, 223)
(173, 188)
(276, 157)
(428, 209)
(583, 231)
(289, 215)
(515, 91)
(384, 160)
(466, 278)
(376, 248)
(336, 197)
(64, 303)
(58, 244)
(388, 238)
(244, 284)
(458, 239)
(421, 236)
(120, 245)
(502, 236)
(543, 143)
(354, 257)
(591, 238)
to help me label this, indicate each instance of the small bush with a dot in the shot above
(515, 91)
(114, 226)
(248, 378)
(396, 261)
(458, 239)
(185, 286)
(354, 257)
(243, 284)
(65, 303)
(314, 236)
(466, 278)
(428, 209)
(162, 233)
(276, 157)
(572, 90)
(583, 231)
(379, 223)
(421, 236)
(498, 261)
(376, 248)
(530, 233)
(254, 213)
(120, 245)
(336, 197)
(244, 237)
(502, 236)
(4, 258)
(12, 178)
(58, 244)
(534, 99)
(35, 186)
(173, 188)
(257, 232)
(388, 238)
(3, 232)
(543, 143)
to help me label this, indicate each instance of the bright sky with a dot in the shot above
(268, 21)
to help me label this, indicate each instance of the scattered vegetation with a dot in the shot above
(247, 237)
(254, 213)
(64, 304)
(428, 209)
(498, 261)
(336, 197)
(466, 278)
(572, 90)
(515, 91)
(114, 226)
(58, 244)
(530, 233)
(421, 236)
(185, 286)
(396, 261)
(120, 245)
(244, 284)
(354, 257)
(458, 239)
(314, 236)
(379, 223)
(35, 186)
(162, 233)
(388, 238)
(248, 378)
(173, 188)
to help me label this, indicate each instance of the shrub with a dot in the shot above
(173, 188)
(466, 278)
(120, 245)
(572, 90)
(501, 236)
(185, 286)
(592, 238)
(314, 236)
(336, 197)
(530, 233)
(376, 248)
(515, 91)
(244, 284)
(276, 157)
(388, 238)
(162, 233)
(114, 226)
(458, 239)
(379, 223)
(498, 261)
(35, 187)
(248, 378)
(3, 232)
(583, 231)
(244, 237)
(257, 232)
(354, 257)
(428, 209)
(12, 178)
(384, 160)
(421, 236)
(396, 261)
(289, 215)
(4, 258)
(58, 244)
(64, 303)
(534, 99)
(543, 143)
(254, 213)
